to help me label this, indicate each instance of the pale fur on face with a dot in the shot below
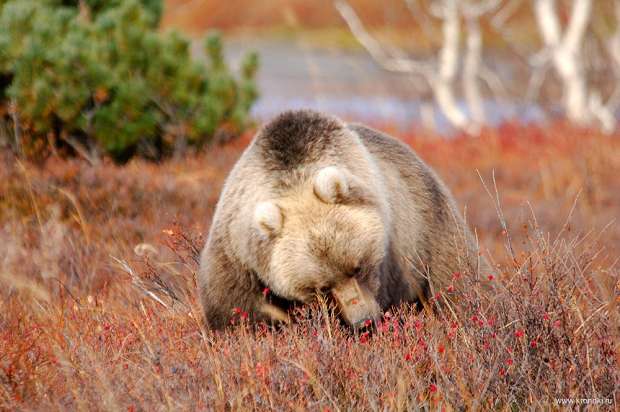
(320, 237)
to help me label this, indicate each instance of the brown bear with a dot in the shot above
(317, 206)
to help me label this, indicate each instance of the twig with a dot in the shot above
(80, 149)
(315, 381)
(137, 282)
(16, 129)
(375, 49)
(500, 213)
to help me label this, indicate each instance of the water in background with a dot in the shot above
(351, 85)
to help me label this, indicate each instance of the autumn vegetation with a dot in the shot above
(98, 305)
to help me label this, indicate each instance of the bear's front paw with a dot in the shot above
(274, 313)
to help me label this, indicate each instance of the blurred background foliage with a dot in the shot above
(97, 76)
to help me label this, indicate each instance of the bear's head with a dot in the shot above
(326, 236)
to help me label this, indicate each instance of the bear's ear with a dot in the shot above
(331, 185)
(268, 218)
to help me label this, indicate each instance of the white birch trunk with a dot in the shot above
(471, 72)
(443, 83)
(566, 55)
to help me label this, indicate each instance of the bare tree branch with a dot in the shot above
(374, 48)
(505, 13)
(562, 52)
(441, 73)
(477, 9)
(418, 14)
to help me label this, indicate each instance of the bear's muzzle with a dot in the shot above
(357, 305)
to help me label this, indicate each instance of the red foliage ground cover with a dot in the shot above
(98, 306)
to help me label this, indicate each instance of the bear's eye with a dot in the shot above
(355, 271)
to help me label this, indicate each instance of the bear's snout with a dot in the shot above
(357, 305)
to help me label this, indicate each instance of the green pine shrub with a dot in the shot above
(102, 77)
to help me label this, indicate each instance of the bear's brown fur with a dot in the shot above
(313, 203)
